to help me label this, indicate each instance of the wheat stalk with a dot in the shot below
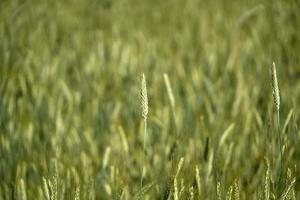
(276, 99)
(275, 89)
(144, 103)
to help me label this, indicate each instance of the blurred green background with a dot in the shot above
(70, 114)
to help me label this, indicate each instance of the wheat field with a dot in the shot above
(215, 115)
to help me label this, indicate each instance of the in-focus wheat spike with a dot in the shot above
(144, 103)
(275, 89)
(144, 97)
(276, 98)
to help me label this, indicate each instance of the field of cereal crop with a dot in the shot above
(209, 120)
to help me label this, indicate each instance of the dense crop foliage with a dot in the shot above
(71, 121)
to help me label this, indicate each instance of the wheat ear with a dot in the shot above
(198, 180)
(287, 190)
(144, 103)
(267, 181)
(179, 167)
(276, 99)
(275, 89)
(236, 193)
(77, 193)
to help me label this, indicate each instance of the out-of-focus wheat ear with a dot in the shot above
(144, 103)
(236, 193)
(198, 180)
(77, 193)
(287, 190)
(229, 193)
(53, 187)
(192, 195)
(182, 188)
(219, 197)
(275, 91)
(267, 181)
(179, 167)
(46, 189)
(292, 194)
(22, 190)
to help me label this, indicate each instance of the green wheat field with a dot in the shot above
(139, 99)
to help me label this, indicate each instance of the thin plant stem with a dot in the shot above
(145, 134)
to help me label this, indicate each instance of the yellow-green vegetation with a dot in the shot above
(71, 121)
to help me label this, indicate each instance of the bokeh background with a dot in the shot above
(70, 113)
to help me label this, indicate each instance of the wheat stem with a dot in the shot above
(144, 104)
(276, 99)
(145, 133)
